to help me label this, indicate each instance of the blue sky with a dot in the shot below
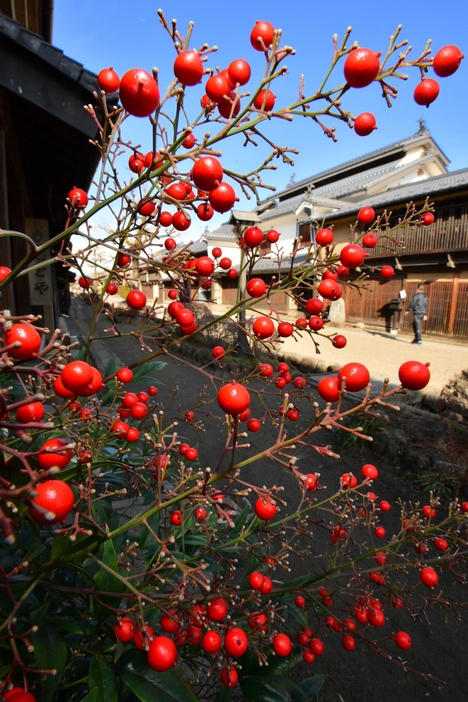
(128, 35)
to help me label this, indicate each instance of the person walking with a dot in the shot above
(418, 306)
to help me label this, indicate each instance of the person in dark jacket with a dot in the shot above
(418, 307)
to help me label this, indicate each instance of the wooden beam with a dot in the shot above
(453, 302)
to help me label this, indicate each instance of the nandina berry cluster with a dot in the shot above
(129, 548)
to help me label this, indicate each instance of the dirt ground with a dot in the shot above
(416, 443)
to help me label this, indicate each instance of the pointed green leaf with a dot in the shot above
(92, 696)
(224, 694)
(309, 688)
(102, 677)
(105, 581)
(263, 689)
(50, 652)
(111, 367)
(148, 685)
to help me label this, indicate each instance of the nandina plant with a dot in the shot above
(135, 565)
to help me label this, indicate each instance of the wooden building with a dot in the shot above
(386, 179)
(45, 149)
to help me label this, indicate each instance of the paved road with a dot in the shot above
(383, 354)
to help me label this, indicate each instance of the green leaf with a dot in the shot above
(143, 372)
(149, 685)
(92, 696)
(263, 689)
(111, 367)
(309, 688)
(105, 581)
(224, 694)
(102, 677)
(50, 652)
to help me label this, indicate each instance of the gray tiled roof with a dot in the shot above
(383, 151)
(293, 203)
(45, 51)
(225, 231)
(430, 187)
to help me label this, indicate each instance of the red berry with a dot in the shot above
(272, 236)
(316, 323)
(29, 338)
(162, 653)
(426, 92)
(352, 255)
(136, 299)
(379, 532)
(78, 198)
(361, 68)
(123, 260)
(253, 237)
(265, 100)
(324, 237)
(188, 67)
(285, 329)
(256, 580)
(348, 642)
(311, 481)
(108, 80)
(229, 677)
(447, 60)
(329, 289)
(142, 641)
(356, 374)
(428, 577)
(262, 32)
(165, 220)
(216, 87)
(370, 240)
(181, 221)
(233, 398)
(387, 271)
(266, 370)
(282, 645)
(263, 327)
(56, 497)
(428, 512)
(223, 197)
(256, 287)
(300, 601)
(218, 352)
(200, 514)
(428, 218)
(139, 92)
(211, 641)
(217, 609)
(339, 341)
(76, 376)
(125, 375)
(52, 454)
(265, 509)
(239, 72)
(191, 454)
(236, 642)
(205, 212)
(364, 124)
(316, 646)
(207, 173)
(170, 622)
(414, 375)
(32, 412)
(254, 425)
(329, 388)
(125, 629)
(4, 273)
(369, 471)
(111, 289)
(440, 543)
(348, 480)
(366, 215)
(314, 306)
(376, 617)
(385, 506)
(403, 640)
